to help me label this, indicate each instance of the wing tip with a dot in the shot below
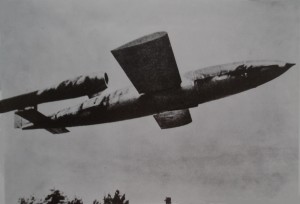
(141, 40)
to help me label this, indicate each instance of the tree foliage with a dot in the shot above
(57, 197)
(117, 199)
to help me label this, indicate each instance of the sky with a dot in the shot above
(240, 149)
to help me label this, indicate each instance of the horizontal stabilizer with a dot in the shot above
(34, 116)
(57, 130)
(171, 119)
(38, 119)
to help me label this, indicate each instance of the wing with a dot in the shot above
(38, 119)
(149, 63)
(171, 119)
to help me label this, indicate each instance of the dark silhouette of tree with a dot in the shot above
(30, 200)
(57, 197)
(96, 202)
(117, 199)
(75, 201)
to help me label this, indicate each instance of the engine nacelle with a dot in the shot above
(72, 88)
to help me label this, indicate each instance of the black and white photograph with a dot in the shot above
(149, 102)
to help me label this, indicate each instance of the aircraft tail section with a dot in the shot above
(57, 130)
(31, 119)
(20, 122)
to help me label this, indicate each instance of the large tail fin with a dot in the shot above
(20, 122)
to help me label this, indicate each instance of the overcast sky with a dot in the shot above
(241, 149)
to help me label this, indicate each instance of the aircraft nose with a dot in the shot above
(266, 72)
(276, 69)
(289, 65)
(286, 67)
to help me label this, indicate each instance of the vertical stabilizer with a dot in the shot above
(20, 122)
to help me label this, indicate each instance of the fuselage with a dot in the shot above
(201, 86)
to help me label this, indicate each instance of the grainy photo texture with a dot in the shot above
(149, 102)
